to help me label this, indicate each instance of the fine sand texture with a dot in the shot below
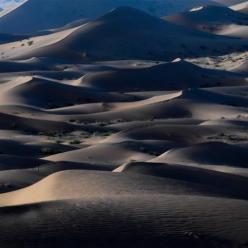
(126, 130)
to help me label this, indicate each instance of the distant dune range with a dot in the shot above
(214, 19)
(124, 131)
(140, 36)
(40, 15)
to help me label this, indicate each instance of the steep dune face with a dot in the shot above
(199, 104)
(38, 15)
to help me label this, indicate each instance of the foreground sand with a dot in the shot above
(122, 153)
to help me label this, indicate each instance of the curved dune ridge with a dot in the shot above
(48, 93)
(85, 184)
(126, 130)
(234, 155)
(137, 195)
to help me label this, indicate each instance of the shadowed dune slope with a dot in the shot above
(196, 103)
(232, 185)
(169, 76)
(213, 153)
(48, 93)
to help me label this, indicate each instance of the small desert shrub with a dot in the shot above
(49, 150)
(102, 124)
(30, 43)
(72, 120)
(75, 142)
(106, 133)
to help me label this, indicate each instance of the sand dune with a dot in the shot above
(11, 66)
(30, 125)
(133, 191)
(231, 184)
(234, 155)
(180, 134)
(241, 68)
(126, 130)
(160, 40)
(26, 45)
(196, 103)
(97, 155)
(242, 7)
(39, 149)
(54, 187)
(48, 93)
(234, 30)
(214, 19)
(168, 76)
(29, 17)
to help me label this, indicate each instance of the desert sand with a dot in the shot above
(215, 19)
(126, 130)
(241, 7)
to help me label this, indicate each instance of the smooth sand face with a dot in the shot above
(138, 150)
